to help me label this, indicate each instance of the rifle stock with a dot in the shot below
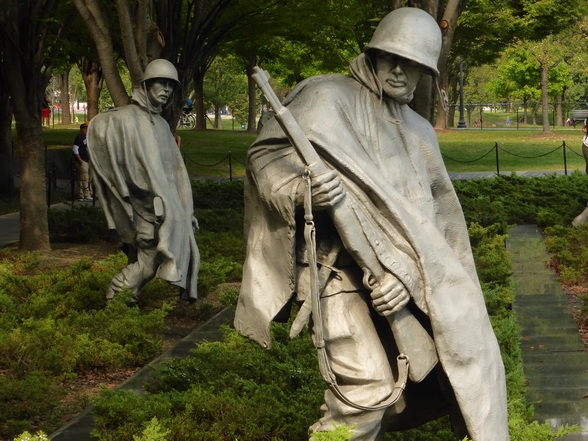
(411, 338)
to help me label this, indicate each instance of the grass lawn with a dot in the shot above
(519, 150)
(207, 152)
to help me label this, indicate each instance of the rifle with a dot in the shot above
(413, 341)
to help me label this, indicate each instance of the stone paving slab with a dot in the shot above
(555, 361)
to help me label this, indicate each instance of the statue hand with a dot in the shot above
(327, 190)
(390, 296)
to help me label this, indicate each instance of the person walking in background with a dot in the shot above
(81, 160)
(46, 112)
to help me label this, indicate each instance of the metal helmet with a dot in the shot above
(410, 33)
(160, 68)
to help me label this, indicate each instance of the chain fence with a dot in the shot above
(497, 149)
(230, 158)
(61, 180)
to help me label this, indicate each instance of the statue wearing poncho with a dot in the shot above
(145, 192)
(388, 161)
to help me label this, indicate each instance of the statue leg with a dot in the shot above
(142, 261)
(360, 363)
(580, 219)
(135, 275)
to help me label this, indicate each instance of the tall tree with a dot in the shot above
(550, 53)
(224, 83)
(64, 95)
(31, 32)
(93, 80)
(518, 74)
(194, 35)
(6, 171)
(187, 33)
(97, 23)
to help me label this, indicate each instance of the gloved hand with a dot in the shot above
(327, 189)
(389, 296)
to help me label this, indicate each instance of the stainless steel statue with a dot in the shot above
(368, 225)
(143, 186)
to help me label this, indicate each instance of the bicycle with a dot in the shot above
(187, 120)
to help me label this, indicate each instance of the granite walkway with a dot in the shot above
(555, 360)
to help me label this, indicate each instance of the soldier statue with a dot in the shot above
(144, 189)
(382, 166)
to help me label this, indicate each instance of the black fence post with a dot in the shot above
(230, 167)
(54, 172)
(73, 182)
(565, 158)
(48, 181)
(497, 160)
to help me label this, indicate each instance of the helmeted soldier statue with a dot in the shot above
(143, 187)
(384, 165)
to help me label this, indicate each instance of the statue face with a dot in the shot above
(397, 75)
(160, 91)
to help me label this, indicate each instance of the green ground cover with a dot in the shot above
(235, 389)
(56, 325)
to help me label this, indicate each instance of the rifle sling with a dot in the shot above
(323, 359)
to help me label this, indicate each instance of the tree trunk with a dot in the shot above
(64, 97)
(252, 108)
(545, 98)
(34, 231)
(451, 116)
(93, 80)
(424, 97)
(217, 117)
(26, 102)
(6, 161)
(90, 12)
(559, 119)
(132, 57)
(199, 100)
(448, 24)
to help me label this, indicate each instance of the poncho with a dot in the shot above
(134, 158)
